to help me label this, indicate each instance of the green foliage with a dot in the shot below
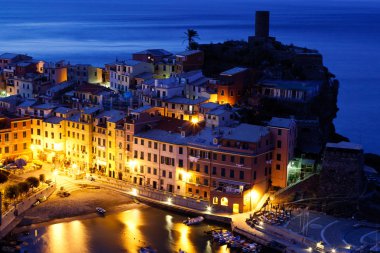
(191, 35)
(42, 178)
(33, 182)
(11, 191)
(3, 178)
(23, 187)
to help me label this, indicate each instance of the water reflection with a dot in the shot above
(132, 237)
(123, 232)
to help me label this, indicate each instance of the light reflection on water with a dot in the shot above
(123, 232)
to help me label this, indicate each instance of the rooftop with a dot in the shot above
(8, 56)
(92, 88)
(189, 52)
(62, 110)
(187, 101)
(245, 133)
(345, 145)
(112, 115)
(155, 52)
(233, 71)
(45, 106)
(27, 103)
(128, 62)
(210, 105)
(54, 120)
(141, 109)
(281, 122)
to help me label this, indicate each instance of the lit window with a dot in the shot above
(224, 201)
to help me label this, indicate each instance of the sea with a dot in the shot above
(346, 32)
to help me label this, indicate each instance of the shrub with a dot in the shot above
(33, 182)
(23, 187)
(42, 178)
(11, 191)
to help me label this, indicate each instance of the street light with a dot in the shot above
(55, 173)
(170, 200)
(134, 192)
(209, 209)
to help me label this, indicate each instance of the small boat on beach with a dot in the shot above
(193, 221)
(148, 249)
(100, 210)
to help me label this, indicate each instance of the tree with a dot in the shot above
(191, 35)
(11, 191)
(42, 178)
(33, 182)
(3, 178)
(23, 187)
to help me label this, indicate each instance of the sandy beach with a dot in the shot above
(80, 204)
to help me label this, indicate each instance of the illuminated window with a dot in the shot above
(215, 200)
(224, 201)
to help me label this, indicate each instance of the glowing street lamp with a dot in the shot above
(55, 173)
(170, 200)
(209, 209)
(194, 120)
(134, 192)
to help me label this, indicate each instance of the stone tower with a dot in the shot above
(262, 24)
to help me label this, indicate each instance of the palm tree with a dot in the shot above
(191, 35)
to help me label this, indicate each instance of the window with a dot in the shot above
(279, 144)
(164, 147)
(164, 173)
(241, 175)
(170, 174)
(279, 132)
(215, 200)
(15, 136)
(149, 144)
(278, 157)
(198, 167)
(223, 158)
(180, 150)
(232, 173)
(232, 158)
(24, 123)
(206, 169)
(142, 142)
(254, 175)
(170, 148)
(24, 134)
(205, 182)
(180, 163)
(214, 156)
(155, 145)
(15, 125)
(241, 160)
(149, 157)
(222, 92)
(214, 170)
(15, 147)
(278, 167)
(255, 160)
(223, 172)
(155, 158)
(224, 201)
(154, 171)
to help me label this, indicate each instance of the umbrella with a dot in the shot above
(20, 163)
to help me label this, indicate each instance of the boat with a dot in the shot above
(148, 249)
(193, 221)
(100, 210)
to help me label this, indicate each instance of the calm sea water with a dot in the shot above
(347, 32)
(123, 232)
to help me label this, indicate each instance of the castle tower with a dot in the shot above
(262, 24)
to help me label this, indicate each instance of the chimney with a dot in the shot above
(262, 24)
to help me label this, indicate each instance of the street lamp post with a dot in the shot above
(55, 173)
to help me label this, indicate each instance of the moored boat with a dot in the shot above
(148, 249)
(193, 221)
(100, 210)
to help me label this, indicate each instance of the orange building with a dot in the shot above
(231, 85)
(15, 138)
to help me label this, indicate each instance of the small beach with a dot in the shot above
(80, 204)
